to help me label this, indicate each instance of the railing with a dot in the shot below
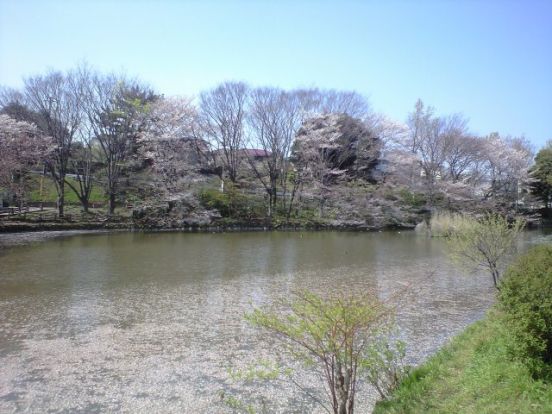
(38, 216)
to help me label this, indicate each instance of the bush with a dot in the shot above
(412, 199)
(526, 299)
(232, 203)
(488, 242)
(342, 338)
(444, 224)
(214, 199)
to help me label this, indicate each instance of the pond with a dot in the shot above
(152, 322)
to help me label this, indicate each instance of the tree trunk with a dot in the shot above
(292, 198)
(270, 205)
(232, 174)
(343, 382)
(321, 203)
(496, 275)
(111, 203)
(274, 199)
(83, 194)
(61, 200)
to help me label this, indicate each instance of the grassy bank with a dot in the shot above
(473, 374)
(49, 192)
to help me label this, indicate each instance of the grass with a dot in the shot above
(473, 374)
(49, 193)
(98, 201)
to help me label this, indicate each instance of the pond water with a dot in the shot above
(151, 322)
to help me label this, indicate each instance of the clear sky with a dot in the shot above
(490, 60)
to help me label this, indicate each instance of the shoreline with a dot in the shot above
(20, 227)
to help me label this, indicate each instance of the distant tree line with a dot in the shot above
(454, 163)
(101, 129)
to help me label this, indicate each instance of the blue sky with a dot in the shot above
(490, 60)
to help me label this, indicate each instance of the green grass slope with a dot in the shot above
(49, 193)
(473, 374)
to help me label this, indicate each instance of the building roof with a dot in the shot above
(257, 153)
(249, 152)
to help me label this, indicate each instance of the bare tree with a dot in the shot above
(273, 120)
(81, 163)
(316, 101)
(460, 166)
(222, 114)
(56, 97)
(462, 152)
(10, 96)
(419, 123)
(82, 158)
(442, 146)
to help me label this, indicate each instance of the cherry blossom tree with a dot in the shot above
(331, 149)
(507, 162)
(22, 146)
(169, 144)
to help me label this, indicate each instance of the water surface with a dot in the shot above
(150, 322)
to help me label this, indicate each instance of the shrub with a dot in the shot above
(443, 224)
(412, 199)
(526, 299)
(488, 242)
(214, 199)
(343, 339)
(232, 203)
